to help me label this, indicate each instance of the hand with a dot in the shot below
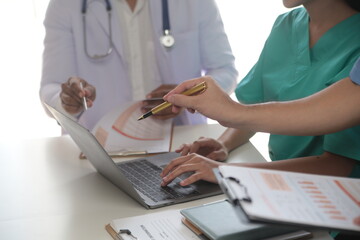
(206, 147)
(213, 102)
(201, 167)
(357, 221)
(154, 98)
(71, 95)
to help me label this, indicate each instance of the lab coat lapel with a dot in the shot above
(162, 55)
(156, 16)
(99, 11)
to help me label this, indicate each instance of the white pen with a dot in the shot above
(84, 98)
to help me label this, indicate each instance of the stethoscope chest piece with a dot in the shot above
(167, 40)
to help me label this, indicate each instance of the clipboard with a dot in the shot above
(152, 226)
(308, 201)
(124, 154)
(112, 232)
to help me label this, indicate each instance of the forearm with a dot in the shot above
(330, 110)
(59, 50)
(325, 164)
(233, 138)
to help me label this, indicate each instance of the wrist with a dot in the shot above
(236, 115)
(59, 106)
(226, 141)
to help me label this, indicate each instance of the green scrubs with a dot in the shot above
(289, 69)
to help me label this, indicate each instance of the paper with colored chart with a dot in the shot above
(121, 134)
(304, 199)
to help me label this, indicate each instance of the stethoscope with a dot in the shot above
(167, 40)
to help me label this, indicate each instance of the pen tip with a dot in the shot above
(145, 115)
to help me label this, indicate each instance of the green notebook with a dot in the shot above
(218, 221)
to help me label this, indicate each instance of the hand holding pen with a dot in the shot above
(197, 89)
(154, 98)
(213, 103)
(77, 95)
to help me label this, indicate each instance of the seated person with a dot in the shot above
(332, 109)
(288, 71)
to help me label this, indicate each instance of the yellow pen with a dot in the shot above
(199, 88)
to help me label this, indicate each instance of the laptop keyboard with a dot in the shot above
(145, 177)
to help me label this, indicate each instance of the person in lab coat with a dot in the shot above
(139, 65)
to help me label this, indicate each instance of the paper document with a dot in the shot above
(295, 198)
(120, 133)
(165, 225)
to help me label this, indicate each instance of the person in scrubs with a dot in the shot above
(308, 49)
(332, 109)
(140, 65)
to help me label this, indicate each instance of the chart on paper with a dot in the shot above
(305, 199)
(320, 195)
(128, 125)
(120, 131)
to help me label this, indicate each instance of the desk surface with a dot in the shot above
(47, 192)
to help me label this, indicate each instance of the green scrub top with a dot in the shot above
(289, 69)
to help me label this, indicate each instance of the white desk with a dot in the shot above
(47, 192)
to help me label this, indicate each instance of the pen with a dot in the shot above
(84, 98)
(199, 88)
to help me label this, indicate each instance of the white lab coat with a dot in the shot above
(201, 47)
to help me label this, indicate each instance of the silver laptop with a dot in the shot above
(139, 178)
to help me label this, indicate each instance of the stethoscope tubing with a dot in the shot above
(84, 6)
(167, 39)
(165, 16)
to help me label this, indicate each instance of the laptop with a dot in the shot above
(139, 178)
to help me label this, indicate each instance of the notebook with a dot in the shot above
(120, 174)
(218, 221)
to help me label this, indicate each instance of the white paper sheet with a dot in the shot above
(165, 225)
(119, 131)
